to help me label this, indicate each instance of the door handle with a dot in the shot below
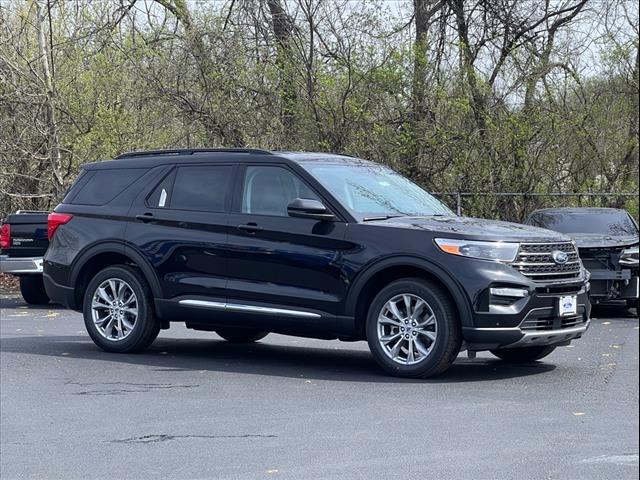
(147, 217)
(250, 228)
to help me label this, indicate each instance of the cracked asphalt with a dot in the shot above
(194, 406)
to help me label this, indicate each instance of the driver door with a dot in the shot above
(277, 260)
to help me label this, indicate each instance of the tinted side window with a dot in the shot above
(161, 195)
(202, 188)
(104, 185)
(268, 190)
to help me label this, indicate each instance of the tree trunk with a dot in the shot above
(52, 140)
(282, 25)
(478, 101)
(630, 162)
(423, 12)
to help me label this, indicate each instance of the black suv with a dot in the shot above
(607, 241)
(245, 242)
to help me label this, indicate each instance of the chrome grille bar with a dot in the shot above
(535, 260)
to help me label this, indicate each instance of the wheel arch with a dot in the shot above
(100, 256)
(375, 277)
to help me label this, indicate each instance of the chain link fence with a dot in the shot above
(516, 207)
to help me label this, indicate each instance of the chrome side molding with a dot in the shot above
(238, 307)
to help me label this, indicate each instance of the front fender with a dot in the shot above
(430, 268)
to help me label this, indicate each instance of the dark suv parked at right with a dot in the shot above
(247, 242)
(607, 241)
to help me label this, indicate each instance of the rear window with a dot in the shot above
(202, 188)
(102, 186)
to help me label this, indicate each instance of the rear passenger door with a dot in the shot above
(180, 226)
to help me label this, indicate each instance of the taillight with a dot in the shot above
(55, 220)
(5, 236)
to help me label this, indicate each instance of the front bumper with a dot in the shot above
(478, 339)
(20, 265)
(529, 321)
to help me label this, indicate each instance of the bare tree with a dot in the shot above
(52, 140)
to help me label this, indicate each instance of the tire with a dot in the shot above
(523, 355)
(144, 326)
(241, 335)
(32, 289)
(634, 303)
(437, 339)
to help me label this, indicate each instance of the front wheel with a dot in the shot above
(523, 355)
(118, 310)
(241, 335)
(413, 329)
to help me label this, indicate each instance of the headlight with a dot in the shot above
(500, 251)
(629, 256)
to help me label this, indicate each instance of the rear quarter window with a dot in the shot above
(161, 194)
(102, 186)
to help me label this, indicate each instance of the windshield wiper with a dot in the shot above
(381, 217)
(387, 217)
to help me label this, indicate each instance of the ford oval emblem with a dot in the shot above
(559, 257)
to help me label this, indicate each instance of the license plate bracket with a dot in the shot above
(567, 305)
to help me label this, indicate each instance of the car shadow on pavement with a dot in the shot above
(13, 301)
(266, 359)
(613, 311)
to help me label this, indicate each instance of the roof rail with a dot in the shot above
(191, 151)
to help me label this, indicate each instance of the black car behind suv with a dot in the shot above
(245, 242)
(607, 241)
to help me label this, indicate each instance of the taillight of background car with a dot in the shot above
(5, 236)
(54, 220)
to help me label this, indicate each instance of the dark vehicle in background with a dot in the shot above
(246, 242)
(23, 241)
(607, 240)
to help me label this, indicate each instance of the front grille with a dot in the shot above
(535, 261)
(551, 323)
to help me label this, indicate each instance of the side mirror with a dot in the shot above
(307, 208)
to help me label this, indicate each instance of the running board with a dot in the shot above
(237, 307)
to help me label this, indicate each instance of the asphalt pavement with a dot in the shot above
(194, 406)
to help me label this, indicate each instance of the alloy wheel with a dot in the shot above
(407, 329)
(114, 309)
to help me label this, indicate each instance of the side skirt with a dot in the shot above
(207, 313)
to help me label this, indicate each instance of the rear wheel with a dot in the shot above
(413, 329)
(32, 290)
(523, 355)
(241, 335)
(118, 310)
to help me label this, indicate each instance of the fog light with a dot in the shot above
(509, 292)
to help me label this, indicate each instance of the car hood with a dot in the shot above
(592, 240)
(475, 228)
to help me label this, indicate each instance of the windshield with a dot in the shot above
(370, 190)
(613, 222)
